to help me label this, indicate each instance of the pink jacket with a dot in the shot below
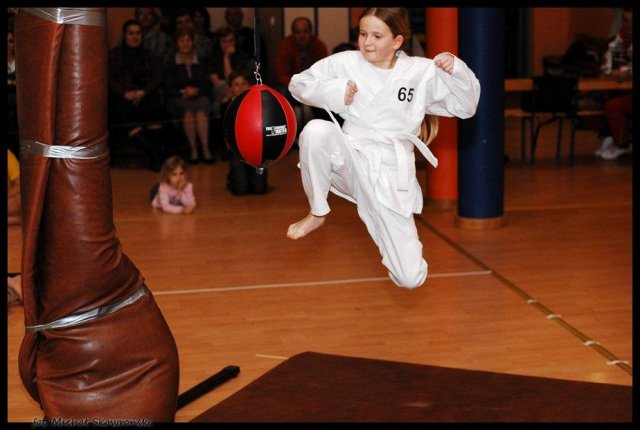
(169, 199)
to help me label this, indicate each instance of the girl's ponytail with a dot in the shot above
(428, 129)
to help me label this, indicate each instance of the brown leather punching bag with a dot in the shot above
(96, 344)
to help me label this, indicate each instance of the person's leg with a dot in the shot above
(617, 111)
(147, 114)
(217, 144)
(122, 128)
(154, 141)
(258, 181)
(202, 121)
(237, 179)
(324, 162)
(398, 242)
(189, 125)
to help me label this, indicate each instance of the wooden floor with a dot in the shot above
(549, 294)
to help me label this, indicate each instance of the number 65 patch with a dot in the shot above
(405, 94)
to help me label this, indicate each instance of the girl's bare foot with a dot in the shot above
(305, 226)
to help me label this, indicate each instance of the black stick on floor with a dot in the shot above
(207, 385)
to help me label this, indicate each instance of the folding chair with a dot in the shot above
(552, 99)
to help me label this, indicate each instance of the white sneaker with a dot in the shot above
(614, 152)
(607, 143)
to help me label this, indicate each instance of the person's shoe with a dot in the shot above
(607, 143)
(194, 160)
(614, 152)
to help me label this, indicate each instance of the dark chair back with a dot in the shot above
(551, 93)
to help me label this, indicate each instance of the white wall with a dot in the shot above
(333, 25)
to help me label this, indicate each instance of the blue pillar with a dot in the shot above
(481, 138)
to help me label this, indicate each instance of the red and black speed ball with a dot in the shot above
(260, 126)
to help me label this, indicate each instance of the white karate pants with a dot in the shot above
(328, 163)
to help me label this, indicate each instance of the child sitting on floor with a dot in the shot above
(173, 193)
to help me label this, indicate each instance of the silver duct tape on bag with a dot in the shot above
(63, 15)
(83, 317)
(32, 147)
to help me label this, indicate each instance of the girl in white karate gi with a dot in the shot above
(383, 96)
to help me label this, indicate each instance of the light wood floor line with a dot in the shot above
(311, 283)
(275, 357)
(587, 341)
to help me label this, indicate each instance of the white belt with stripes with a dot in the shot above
(398, 146)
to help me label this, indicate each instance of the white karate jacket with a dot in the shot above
(384, 119)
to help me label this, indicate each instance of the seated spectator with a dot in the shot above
(202, 24)
(186, 84)
(136, 107)
(617, 106)
(203, 44)
(167, 20)
(226, 57)
(153, 38)
(297, 52)
(234, 17)
(242, 178)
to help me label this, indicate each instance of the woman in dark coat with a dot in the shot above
(136, 105)
(186, 84)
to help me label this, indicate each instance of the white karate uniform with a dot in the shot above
(371, 160)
